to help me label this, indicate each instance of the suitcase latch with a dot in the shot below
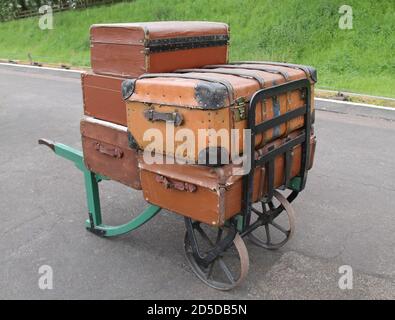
(239, 110)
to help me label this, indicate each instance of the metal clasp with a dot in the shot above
(240, 109)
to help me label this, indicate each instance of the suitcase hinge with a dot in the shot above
(132, 142)
(127, 88)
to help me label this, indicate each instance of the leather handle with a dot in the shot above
(172, 117)
(175, 184)
(112, 152)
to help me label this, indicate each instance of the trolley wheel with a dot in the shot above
(279, 223)
(229, 269)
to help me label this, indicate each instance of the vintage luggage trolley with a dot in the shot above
(218, 255)
(178, 73)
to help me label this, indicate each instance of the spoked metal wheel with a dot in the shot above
(277, 223)
(228, 269)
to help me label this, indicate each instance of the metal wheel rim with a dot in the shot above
(202, 275)
(291, 219)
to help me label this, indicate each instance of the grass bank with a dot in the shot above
(302, 31)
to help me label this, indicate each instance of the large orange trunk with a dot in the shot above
(213, 98)
(211, 195)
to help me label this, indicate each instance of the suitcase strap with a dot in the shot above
(238, 66)
(309, 71)
(248, 75)
(223, 82)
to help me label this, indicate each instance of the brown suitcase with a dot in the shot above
(215, 97)
(106, 151)
(131, 49)
(207, 194)
(102, 98)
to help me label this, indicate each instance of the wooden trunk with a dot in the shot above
(131, 49)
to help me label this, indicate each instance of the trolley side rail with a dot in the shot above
(268, 160)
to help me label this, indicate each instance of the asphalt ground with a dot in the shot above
(345, 216)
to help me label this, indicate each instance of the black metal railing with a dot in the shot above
(268, 160)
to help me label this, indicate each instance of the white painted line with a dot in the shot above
(81, 71)
(356, 104)
(40, 68)
(355, 94)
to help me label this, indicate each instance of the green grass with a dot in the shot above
(301, 31)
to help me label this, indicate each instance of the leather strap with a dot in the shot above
(305, 69)
(238, 66)
(276, 113)
(248, 75)
(224, 82)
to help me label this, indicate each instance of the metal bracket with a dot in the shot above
(128, 87)
(132, 142)
(93, 229)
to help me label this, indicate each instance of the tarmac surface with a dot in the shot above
(345, 216)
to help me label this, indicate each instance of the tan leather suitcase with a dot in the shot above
(131, 49)
(106, 151)
(211, 98)
(102, 98)
(211, 194)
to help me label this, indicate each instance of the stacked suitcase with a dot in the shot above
(147, 77)
(126, 51)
